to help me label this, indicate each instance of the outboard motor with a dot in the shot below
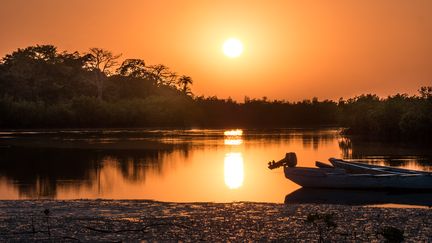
(290, 159)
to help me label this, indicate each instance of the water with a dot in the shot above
(177, 165)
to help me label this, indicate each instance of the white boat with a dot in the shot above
(345, 175)
(338, 178)
(356, 167)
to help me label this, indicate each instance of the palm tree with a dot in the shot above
(184, 82)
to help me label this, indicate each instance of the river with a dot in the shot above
(177, 165)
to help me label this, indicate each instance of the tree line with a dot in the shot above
(41, 87)
(396, 117)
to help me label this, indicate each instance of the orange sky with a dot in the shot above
(292, 49)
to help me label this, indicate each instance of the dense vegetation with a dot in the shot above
(41, 87)
(397, 116)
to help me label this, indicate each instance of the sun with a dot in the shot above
(232, 48)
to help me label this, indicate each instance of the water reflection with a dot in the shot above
(233, 162)
(39, 173)
(358, 197)
(36, 175)
(236, 132)
(233, 141)
(406, 155)
(173, 165)
(233, 170)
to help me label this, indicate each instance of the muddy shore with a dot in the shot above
(117, 221)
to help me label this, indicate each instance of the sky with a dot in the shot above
(293, 50)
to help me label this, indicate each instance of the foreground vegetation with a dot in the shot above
(41, 87)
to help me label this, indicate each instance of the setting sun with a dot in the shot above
(232, 48)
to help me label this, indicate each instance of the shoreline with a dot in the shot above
(133, 220)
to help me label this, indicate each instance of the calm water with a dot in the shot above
(177, 165)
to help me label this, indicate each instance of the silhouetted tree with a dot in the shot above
(162, 75)
(426, 92)
(41, 73)
(133, 68)
(101, 62)
(172, 78)
(184, 82)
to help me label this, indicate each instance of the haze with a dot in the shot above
(292, 49)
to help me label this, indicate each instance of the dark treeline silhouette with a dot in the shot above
(395, 117)
(262, 113)
(41, 87)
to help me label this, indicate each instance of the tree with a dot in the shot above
(133, 80)
(134, 68)
(426, 92)
(23, 62)
(172, 77)
(40, 73)
(161, 74)
(101, 62)
(184, 82)
(46, 53)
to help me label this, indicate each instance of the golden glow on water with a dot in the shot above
(236, 132)
(233, 170)
(233, 142)
(393, 205)
(204, 169)
(226, 169)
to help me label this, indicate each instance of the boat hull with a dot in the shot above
(317, 178)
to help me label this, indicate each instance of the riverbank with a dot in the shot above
(115, 221)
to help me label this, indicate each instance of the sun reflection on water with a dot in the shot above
(233, 137)
(179, 166)
(233, 142)
(233, 170)
(236, 132)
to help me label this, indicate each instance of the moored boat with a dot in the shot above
(351, 176)
(333, 178)
(356, 167)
